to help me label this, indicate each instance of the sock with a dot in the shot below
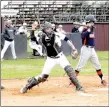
(76, 72)
(99, 72)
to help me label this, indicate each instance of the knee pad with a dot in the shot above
(43, 78)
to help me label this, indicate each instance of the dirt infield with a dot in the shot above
(55, 92)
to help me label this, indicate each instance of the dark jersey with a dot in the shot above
(75, 30)
(32, 36)
(87, 39)
(9, 33)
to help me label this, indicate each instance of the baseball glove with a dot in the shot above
(75, 54)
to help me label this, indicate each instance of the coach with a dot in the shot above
(8, 34)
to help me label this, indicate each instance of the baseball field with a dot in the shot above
(56, 91)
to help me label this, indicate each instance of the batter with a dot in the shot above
(87, 51)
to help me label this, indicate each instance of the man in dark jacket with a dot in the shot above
(75, 28)
(8, 34)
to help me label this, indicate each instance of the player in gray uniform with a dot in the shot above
(87, 51)
(52, 42)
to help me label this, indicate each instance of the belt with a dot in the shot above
(58, 56)
(10, 40)
(89, 46)
(55, 57)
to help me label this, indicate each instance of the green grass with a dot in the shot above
(25, 68)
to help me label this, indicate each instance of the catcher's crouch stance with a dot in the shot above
(52, 43)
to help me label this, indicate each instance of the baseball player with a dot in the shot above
(54, 27)
(8, 34)
(87, 51)
(52, 42)
(34, 38)
(60, 29)
(23, 29)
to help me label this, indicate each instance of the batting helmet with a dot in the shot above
(90, 18)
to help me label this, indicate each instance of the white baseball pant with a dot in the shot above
(6, 45)
(86, 54)
(33, 45)
(51, 62)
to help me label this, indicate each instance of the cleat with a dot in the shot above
(2, 87)
(80, 89)
(24, 90)
(14, 58)
(103, 82)
(31, 83)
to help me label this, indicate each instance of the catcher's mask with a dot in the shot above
(48, 29)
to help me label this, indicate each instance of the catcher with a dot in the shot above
(87, 51)
(52, 42)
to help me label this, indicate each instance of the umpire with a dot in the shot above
(8, 34)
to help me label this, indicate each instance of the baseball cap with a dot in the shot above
(36, 23)
(24, 24)
(60, 26)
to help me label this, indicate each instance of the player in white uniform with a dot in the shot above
(87, 51)
(52, 43)
(23, 29)
(34, 38)
(60, 29)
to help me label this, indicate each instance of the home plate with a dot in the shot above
(102, 89)
(85, 94)
(58, 85)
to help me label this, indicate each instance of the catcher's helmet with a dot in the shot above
(47, 25)
(90, 18)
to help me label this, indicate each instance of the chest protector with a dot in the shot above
(52, 48)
